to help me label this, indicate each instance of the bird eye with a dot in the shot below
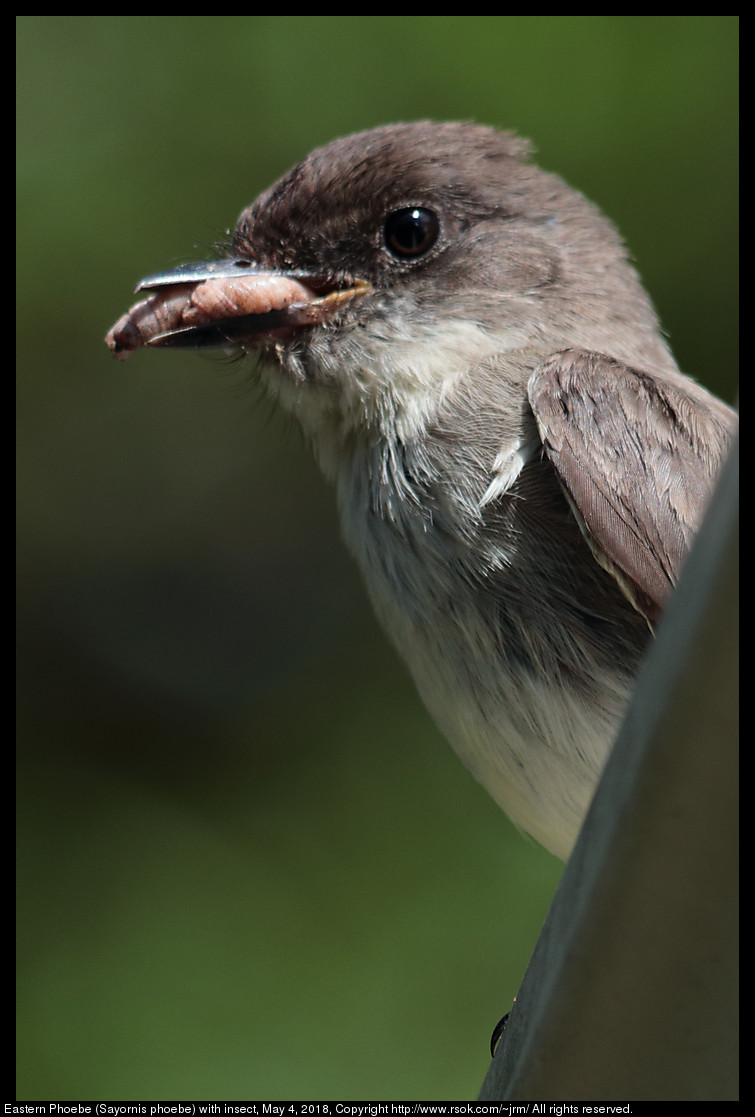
(411, 232)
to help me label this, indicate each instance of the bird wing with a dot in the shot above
(637, 456)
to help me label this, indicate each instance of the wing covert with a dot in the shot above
(637, 456)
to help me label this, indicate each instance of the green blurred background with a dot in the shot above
(249, 866)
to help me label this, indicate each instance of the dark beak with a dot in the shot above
(230, 268)
(227, 302)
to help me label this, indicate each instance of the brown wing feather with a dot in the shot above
(637, 457)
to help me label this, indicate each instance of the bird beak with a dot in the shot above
(228, 302)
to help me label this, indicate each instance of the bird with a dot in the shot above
(519, 464)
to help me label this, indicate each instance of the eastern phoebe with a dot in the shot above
(520, 466)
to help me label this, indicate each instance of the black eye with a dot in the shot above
(411, 232)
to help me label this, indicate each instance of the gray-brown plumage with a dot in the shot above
(637, 457)
(520, 466)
